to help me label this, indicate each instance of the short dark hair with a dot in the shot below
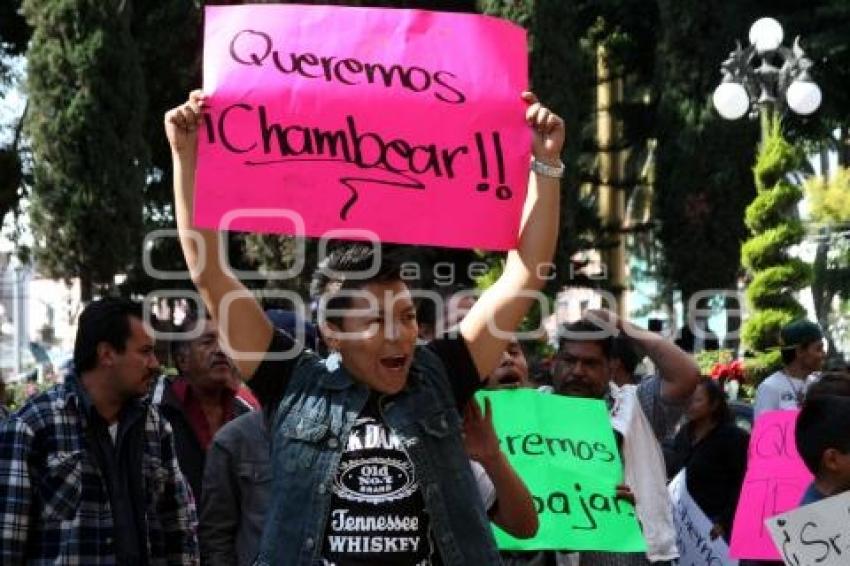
(353, 259)
(574, 332)
(823, 423)
(721, 413)
(105, 320)
(426, 312)
(623, 350)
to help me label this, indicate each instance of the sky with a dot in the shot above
(12, 104)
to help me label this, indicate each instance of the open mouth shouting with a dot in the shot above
(394, 363)
(508, 380)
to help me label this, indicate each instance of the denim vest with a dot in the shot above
(311, 429)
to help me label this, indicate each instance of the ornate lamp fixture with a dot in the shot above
(766, 74)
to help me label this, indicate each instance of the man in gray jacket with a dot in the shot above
(237, 491)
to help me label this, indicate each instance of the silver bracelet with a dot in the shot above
(553, 171)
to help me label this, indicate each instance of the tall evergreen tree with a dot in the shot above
(776, 276)
(704, 179)
(87, 104)
(171, 67)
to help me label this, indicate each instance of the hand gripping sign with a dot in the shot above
(693, 529)
(403, 122)
(564, 450)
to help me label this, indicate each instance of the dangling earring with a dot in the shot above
(334, 359)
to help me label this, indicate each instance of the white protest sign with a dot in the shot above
(814, 534)
(693, 530)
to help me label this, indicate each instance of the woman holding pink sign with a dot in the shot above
(368, 459)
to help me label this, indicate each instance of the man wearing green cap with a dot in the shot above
(801, 343)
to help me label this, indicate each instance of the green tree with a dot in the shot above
(772, 219)
(11, 171)
(171, 67)
(703, 173)
(829, 198)
(87, 103)
(829, 207)
(703, 162)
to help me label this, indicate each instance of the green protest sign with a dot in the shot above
(564, 450)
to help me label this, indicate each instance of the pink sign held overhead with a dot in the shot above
(775, 481)
(404, 123)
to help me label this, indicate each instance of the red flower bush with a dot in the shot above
(729, 371)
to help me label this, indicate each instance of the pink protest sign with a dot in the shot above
(405, 123)
(775, 481)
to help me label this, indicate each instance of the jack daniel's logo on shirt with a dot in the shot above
(377, 515)
(375, 480)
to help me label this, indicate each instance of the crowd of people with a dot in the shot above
(361, 443)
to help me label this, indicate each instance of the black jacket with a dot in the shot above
(716, 466)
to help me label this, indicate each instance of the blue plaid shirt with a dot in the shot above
(54, 503)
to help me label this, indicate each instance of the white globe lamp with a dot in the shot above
(731, 100)
(766, 34)
(803, 97)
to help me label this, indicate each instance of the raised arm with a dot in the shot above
(243, 327)
(495, 316)
(678, 370)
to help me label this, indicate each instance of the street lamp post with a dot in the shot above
(766, 77)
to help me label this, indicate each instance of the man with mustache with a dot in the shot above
(89, 470)
(201, 399)
(641, 415)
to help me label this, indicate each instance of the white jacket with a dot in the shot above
(645, 473)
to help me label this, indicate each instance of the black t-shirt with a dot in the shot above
(377, 513)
